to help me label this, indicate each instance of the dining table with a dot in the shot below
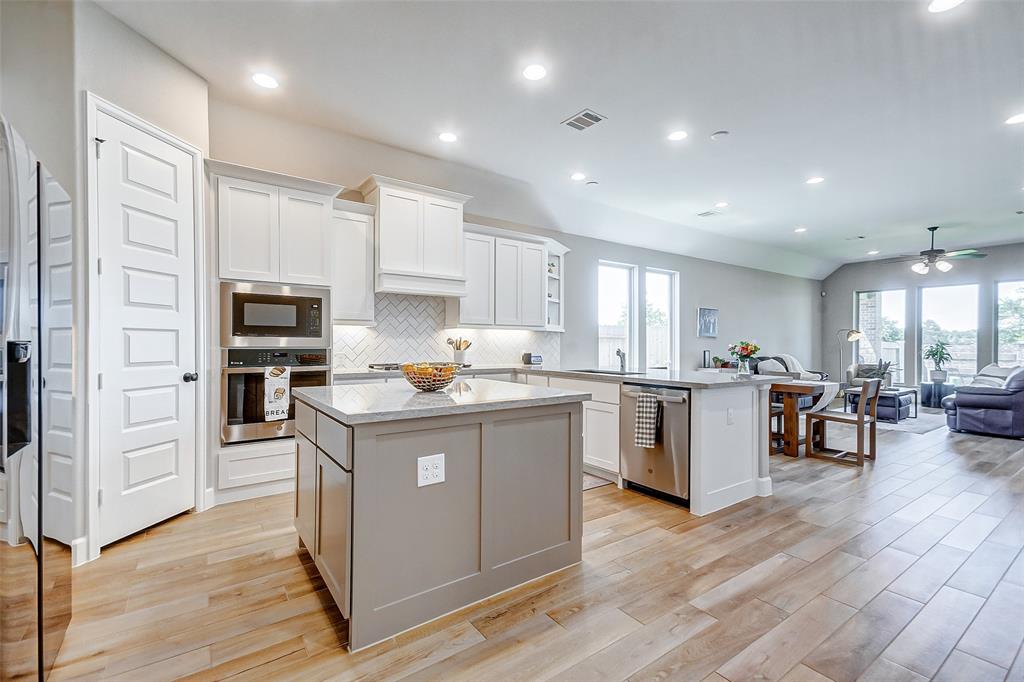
(791, 393)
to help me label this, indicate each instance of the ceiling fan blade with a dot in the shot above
(905, 259)
(957, 252)
(966, 253)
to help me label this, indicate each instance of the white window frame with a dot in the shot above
(632, 356)
(673, 315)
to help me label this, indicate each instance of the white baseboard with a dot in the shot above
(80, 552)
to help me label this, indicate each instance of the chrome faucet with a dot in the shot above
(622, 359)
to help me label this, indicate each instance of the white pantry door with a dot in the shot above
(147, 329)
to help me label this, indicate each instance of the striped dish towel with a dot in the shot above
(646, 431)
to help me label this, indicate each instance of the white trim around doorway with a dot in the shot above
(88, 301)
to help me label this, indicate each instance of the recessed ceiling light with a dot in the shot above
(719, 134)
(264, 80)
(591, 183)
(677, 135)
(799, 229)
(817, 180)
(722, 204)
(534, 72)
(873, 252)
(1015, 119)
(578, 177)
(447, 137)
(936, 6)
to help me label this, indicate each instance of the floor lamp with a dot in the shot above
(851, 336)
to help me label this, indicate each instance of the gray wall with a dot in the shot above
(781, 313)
(37, 61)
(122, 67)
(1003, 263)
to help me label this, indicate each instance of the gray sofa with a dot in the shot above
(993, 404)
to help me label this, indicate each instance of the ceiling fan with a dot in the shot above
(939, 258)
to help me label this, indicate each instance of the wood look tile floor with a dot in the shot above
(908, 570)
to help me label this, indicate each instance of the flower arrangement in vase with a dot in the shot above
(743, 351)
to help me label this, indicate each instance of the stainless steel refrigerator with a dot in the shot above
(36, 411)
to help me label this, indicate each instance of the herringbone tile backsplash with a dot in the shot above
(412, 328)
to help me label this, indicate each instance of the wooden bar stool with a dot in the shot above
(863, 419)
(776, 435)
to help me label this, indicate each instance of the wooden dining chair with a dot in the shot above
(776, 434)
(863, 420)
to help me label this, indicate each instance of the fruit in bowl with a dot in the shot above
(430, 376)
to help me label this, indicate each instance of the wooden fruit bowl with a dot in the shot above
(430, 376)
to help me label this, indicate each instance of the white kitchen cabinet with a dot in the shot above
(532, 285)
(601, 435)
(305, 238)
(351, 232)
(477, 307)
(249, 227)
(272, 227)
(600, 420)
(419, 244)
(518, 283)
(507, 281)
(555, 314)
(507, 274)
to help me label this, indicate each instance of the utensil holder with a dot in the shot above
(460, 357)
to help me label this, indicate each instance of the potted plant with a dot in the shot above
(718, 362)
(743, 351)
(939, 354)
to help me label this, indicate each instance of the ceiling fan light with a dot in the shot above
(944, 265)
(920, 268)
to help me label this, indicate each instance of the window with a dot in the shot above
(1010, 332)
(881, 315)
(615, 314)
(662, 329)
(950, 314)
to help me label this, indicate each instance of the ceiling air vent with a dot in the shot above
(707, 214)
(583, 120)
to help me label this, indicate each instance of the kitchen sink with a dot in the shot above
(605, 371)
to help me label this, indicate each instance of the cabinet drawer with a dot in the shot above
(601, 391)
(305, 420)
(334, 438)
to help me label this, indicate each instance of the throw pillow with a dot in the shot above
(875, 371)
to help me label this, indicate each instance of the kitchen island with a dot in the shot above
(416, 504)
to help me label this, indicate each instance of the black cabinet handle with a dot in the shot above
(190, 376)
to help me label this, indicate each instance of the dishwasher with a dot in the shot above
(665, 468)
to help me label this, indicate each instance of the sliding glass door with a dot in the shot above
(950, 314)
(882, 316)
(1010, 311)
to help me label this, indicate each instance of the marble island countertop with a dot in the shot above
(368, 403)
(657, 377)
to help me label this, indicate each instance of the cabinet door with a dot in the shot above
(532, 285)
(248, 225)
(601, 435)
(333, 528)
(399, 230)
(507, 272)
(305, 490)
(305, 238)
(352, 287)
(442, 237)
(477, 307)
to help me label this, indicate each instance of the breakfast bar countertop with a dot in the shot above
(368, 403)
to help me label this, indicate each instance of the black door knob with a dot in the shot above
(190, 376)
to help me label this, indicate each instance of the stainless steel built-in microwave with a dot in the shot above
(274, 316)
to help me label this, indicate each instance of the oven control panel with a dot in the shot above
(272, 357)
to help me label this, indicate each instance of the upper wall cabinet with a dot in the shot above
(419, 246)
(352, 288)
(273, 227)
(508, 281)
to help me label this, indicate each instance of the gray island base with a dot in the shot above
(414, 505)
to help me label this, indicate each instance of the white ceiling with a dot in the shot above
(900, 110)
